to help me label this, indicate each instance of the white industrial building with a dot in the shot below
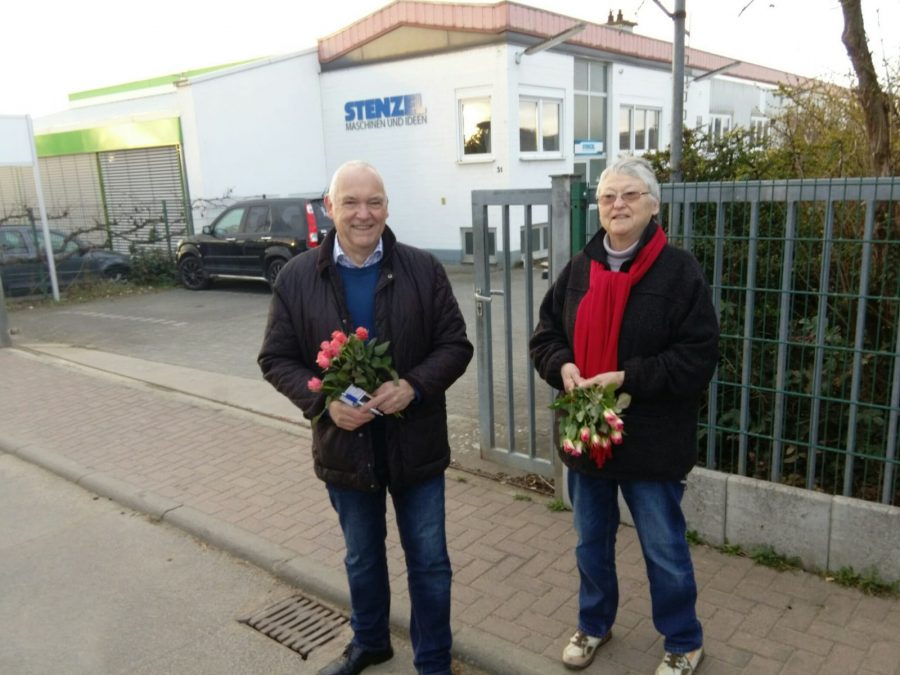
(442, 98)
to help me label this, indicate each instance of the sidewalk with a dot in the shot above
(228, 460)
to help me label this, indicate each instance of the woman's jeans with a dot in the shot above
(656, 510)
(420, 520)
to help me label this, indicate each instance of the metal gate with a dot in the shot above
(516, 426)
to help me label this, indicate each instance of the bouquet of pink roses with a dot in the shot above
(591, 422)
(351, 360)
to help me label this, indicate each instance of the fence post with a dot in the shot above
(168, 232)
(5, 340)
(579, 215)
(560, 244)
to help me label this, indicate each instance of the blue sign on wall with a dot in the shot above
(389, 111)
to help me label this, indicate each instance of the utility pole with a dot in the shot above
(677, 89)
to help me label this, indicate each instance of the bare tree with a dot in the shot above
(875, 103)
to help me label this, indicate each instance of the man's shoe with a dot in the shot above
(582, 648)
(355, 659)
(680, 664)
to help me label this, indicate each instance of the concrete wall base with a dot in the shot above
(824, 532)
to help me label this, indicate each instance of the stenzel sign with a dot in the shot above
(389, 111)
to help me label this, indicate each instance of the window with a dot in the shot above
(257, 220)
(63, 245)
(638, 129)
(719, 125)
(475, 122)
(539, 125)
(759, 130)
(590, 102)
(230, 223)
(12, 243)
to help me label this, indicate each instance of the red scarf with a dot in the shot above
(599, 317)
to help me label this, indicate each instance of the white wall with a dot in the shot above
(428, 182)
(550, 76)
(696, 103)
(630, 85)
(253, 131)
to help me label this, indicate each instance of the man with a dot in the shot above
(361, 276)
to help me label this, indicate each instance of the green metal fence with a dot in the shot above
(806, 278)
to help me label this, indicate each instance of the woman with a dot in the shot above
(634, 312)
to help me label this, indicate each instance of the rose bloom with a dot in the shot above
(323, 360)
(362, 333)
(326, 347)
(314, 384)
(335, 346)
(339, 337)
(613, 420)
(585, 435)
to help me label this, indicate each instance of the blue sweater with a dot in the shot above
(359, 290)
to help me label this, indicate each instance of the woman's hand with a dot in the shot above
(613, 377)
(571, 376)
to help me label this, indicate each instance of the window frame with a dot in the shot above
(484, 97)
(539, 101)
(595, 99)
(648, 130)
(726, 124)
(759, 129)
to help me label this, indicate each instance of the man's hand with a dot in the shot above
(347, 417)
(391, 398)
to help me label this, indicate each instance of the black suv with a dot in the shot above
(252, 239)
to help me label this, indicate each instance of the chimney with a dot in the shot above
(620, 22)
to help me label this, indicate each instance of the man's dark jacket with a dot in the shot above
(668, 349)
(416, 311)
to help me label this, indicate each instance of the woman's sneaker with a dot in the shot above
(680, 664)
(582, 648)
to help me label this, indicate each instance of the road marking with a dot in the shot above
(140, 319)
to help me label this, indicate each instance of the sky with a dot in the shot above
(51, 48)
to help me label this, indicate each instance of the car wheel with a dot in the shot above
(191, 273)
(116, 273)
(273, 269)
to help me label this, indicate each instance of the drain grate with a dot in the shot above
(298, 623)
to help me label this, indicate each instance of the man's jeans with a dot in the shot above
(420, 520)
(656, 509)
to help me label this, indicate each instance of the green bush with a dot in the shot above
(152, 267)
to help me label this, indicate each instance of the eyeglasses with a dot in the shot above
(629, 197)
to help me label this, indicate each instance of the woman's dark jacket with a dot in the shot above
(668, 349)
(416, 311)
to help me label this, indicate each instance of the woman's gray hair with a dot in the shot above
(636, 167)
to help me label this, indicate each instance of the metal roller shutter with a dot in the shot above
(144, 197)
(72, 194)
